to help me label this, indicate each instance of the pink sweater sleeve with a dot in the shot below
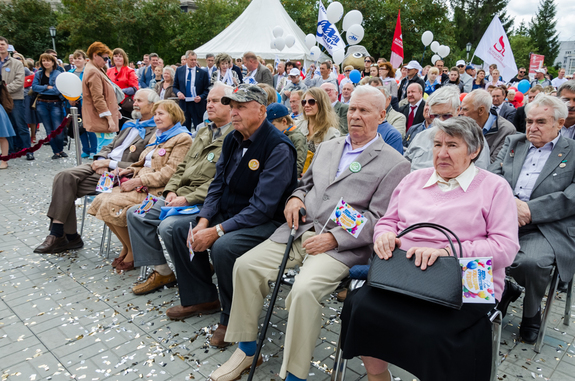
(388, 223)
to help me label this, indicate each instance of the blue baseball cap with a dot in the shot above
(469, 67)
(276, 110)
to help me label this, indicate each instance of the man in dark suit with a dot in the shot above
(210, 59)
(502, 108)
(257, 73)
(519, 120)
(540, 168)
(148, 71)
(76, 182)
(413, 111)
(191, 85)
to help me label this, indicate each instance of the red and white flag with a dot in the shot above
(396, 58)
(494, 48)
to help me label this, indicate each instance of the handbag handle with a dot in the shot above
(440, 228)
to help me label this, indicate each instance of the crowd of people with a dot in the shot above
(218, 161)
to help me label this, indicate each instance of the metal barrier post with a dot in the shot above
(74, 112)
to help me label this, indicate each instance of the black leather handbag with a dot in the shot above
(440, 283)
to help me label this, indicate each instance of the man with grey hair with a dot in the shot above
(280, 79)
(339, 108)
(540, 168)
(566, 93)
(396, 119)
(338, 171)
(191, 86)
(477, 105)
(187, 186)
(73, 183)
(443, 104)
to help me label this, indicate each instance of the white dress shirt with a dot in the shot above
(116, 155)
(568, 132)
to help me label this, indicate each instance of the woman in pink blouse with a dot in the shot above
(431, 341)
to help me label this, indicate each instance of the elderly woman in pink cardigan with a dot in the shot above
(431, 341)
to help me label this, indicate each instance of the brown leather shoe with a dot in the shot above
(118, 260)
(218, 337)
(76, 243)
(52, 245)
(181, 312)
(125, 266)
(154, 282)
(341, 295)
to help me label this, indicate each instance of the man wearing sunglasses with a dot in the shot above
(477, 105)
(521, 75)
(443, 104)
(464, 77)
(295, 83)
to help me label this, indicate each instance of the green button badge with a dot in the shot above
(211, 156)
(355, 167)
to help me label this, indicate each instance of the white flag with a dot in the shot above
(276, 62)
(494, 48)
(327, 34)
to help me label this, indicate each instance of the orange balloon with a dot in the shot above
(461, 96)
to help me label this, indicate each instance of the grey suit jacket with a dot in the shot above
(264, 75)
(552, 202)
(508, 111)
(128, 157)
(341, 111)
(367, 191)
(496, 135)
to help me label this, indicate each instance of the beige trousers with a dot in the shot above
(318, 277)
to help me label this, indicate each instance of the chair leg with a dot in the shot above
(496, 341)
(109, 244)
(550, 299)
(103, 240)
(567, 316)
(143, 273)
(339, 365)
(83, 215)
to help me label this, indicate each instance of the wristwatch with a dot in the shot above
(219, 230)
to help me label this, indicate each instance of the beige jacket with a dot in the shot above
(99, 100)
(13, 75)
(397, 120)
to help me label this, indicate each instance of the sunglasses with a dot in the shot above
(521, 72)
(347, 71)
(460, 65)
(369, 61)
(311, 102)
(440, 116)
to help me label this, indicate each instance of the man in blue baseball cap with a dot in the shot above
(278, 115)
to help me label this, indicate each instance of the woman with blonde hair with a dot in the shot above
(148, 176)
(319, 122)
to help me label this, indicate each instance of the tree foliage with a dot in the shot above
(26, 23)
(543, 31)
(521, 46)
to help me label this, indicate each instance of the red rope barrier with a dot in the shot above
(39, 145)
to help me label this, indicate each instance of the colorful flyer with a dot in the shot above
(348, 218)
(147, 204)
(106, 183)
(477, 278)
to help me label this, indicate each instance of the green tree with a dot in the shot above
(521, 46)
(26, 23)
(543, 31)
(472, 18)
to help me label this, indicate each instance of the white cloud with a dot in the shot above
(526, 9)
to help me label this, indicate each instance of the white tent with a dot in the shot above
(252, 31)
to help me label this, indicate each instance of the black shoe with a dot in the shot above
(563, 286)
(63, 154)
(510, 294)
(56, 156)
(29, 156)
(529, 329)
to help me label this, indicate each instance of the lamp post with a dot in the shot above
(468, 48)
(53, 35)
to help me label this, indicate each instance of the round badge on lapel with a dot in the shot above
(211, 156)
(562, 165)
(254, 164)
(132, 148)
(7, 69)
(162, 152)
(355, 167)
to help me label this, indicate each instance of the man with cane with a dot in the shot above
(360, 170)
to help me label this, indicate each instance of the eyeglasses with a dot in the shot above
(347, 71)
(440, 116)
(311, 102)
(368, 61)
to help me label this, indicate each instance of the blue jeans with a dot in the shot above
(89, 143)
(17, 118)
(51, 115)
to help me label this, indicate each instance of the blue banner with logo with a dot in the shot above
(327, 34)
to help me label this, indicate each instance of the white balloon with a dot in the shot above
(352, 18)
(315, 52)
(280, 43)
(69, 85)
(278, 31)
(273, 44)
(434, 46)
(334, 12)
(354, 34)
(426, 38)
(338, 56)
(443, 51)
(290, 40)
(310, 41)
(435, 58)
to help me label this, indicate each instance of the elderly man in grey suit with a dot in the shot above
(540, 167)
(339, 108)
(257, 73)
(363, 171)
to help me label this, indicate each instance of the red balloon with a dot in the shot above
(519, 97)
(461, 96)
(397, 80)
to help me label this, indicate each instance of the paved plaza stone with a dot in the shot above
(71, 317)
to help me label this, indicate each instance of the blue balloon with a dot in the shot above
(523, 86)
(355, 76)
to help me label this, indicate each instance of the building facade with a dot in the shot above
(566, 57)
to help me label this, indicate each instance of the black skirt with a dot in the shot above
(428, 340)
